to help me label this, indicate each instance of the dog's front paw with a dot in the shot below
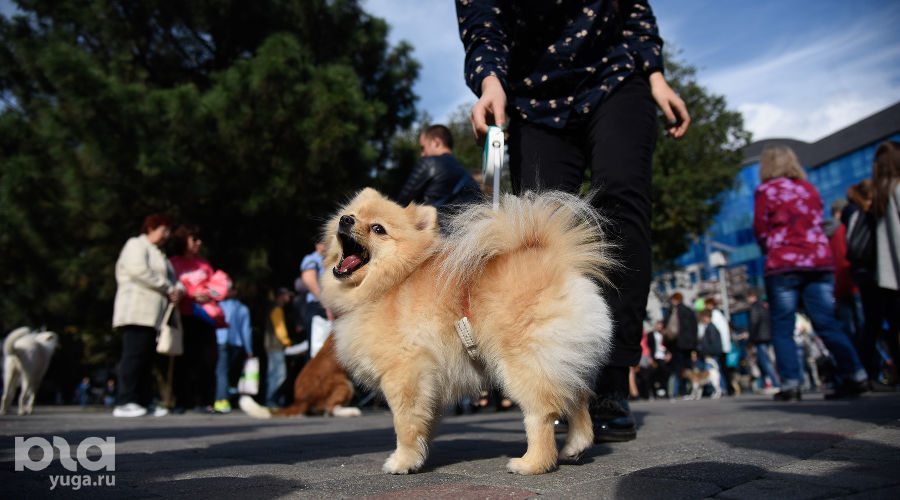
(346, 411)
(522, 466)
(402, 463)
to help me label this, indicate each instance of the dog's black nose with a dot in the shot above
(347, 221)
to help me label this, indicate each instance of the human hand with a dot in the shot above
(201, 298)
(175, 294)
(671, 104)
(490, 108)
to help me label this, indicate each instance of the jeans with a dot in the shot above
(228, 368)
(276, 372)
(765, 365)
(815, 290)
(849, 311)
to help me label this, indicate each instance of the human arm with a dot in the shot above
(484, 38)
(672, 106)
(277, 318)
(310, 278)
(760, 220)
(645, 46)
(246, 332)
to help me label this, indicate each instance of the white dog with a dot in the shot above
(701, 378)
(27, 356)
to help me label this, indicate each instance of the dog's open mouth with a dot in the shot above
(353, 257)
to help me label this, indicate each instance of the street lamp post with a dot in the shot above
(719, 260)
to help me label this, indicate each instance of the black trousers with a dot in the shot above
(136, 365)
(616, 144)
(195, 370)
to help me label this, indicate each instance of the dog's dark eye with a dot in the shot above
(378, 229)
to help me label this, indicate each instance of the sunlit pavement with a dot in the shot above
(745, 447)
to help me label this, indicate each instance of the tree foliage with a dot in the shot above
(250, 119)
(692, 174)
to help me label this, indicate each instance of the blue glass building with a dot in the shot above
(833, 164)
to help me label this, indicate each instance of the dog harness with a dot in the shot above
(464, 330)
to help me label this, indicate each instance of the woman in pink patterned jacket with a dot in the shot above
(787, 221)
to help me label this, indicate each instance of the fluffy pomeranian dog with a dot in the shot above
(524, 277)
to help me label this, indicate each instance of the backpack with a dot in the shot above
(861, 239)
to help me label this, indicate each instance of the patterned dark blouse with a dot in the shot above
(557, 59)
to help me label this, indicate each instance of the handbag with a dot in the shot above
(321, 328)
(861, 239)
(671, 331)
(170, 340)
(249, 382)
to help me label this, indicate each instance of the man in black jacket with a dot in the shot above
(439, 179)
(760, 335)
(685, 341)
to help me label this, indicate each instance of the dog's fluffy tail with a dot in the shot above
(252, 408)
(11, 339)
(562, 223)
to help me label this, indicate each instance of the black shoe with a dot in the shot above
(848, 389)
(788, 395)
(612, 419)
(877, 386)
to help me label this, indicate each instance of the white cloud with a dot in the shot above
(810, 90)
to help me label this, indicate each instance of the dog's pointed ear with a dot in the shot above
(424, 216)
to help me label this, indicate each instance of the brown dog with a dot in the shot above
(321, 387)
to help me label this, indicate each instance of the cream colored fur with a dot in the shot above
(524, 275)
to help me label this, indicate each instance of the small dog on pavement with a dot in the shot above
(27, 356)
(701, 378)
(507, 296)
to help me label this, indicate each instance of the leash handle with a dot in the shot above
(492, 161)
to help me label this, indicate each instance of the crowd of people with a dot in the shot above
(832, 315)
(215, 339)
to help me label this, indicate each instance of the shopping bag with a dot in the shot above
(170, 339)
(321, 327)
(249, 381)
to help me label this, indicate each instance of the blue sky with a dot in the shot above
(795, 68)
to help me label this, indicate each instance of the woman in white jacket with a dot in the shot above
(146, 283)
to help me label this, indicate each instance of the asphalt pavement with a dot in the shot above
(743, 447)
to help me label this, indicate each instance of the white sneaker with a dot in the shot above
(160, 411)
(129, 410)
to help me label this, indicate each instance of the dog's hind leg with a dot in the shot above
(581, 432)
(10, 383)
(411, 399)
(26, 399)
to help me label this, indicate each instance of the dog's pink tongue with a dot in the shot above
(348, 263)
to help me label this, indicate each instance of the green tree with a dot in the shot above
(692, 174)
(251, 119)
